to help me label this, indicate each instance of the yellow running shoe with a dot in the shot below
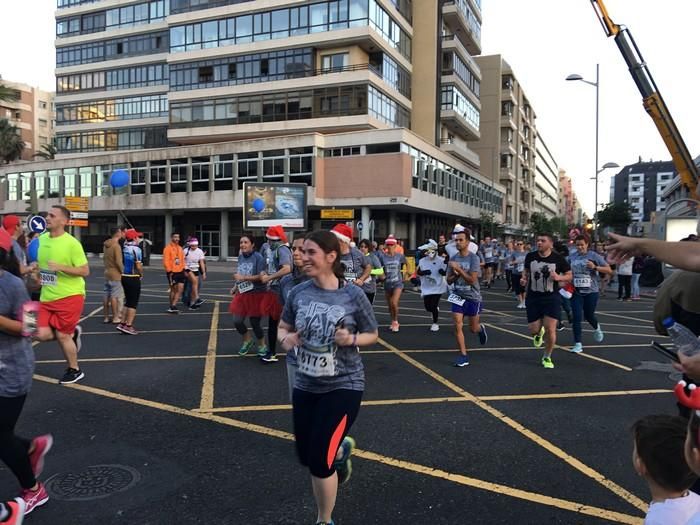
(538, 338)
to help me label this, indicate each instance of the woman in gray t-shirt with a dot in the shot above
(325, 322)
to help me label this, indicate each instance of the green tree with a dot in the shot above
(47, 152)
(559, 227)
(539, 223)
(617, 216)
(489, 226)
(11, 144)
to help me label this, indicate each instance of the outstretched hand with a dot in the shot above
(622, 248)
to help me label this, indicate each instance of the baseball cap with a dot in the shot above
(193, 240)
(390, 240)
(10, 222)
(131, 234)
(343, 232)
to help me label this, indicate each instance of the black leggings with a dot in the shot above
(370, 297)
(272, 334)
(132, 291)
(14, 450)
(431, 303)
(321, 421)
(509, 279)
(625, 285)
(239, 323)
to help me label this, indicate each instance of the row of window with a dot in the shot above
(70, 3)
(112, 49)
(112, 139)
(472, 20)
(129, 16)
(184, 6)
(113, 109)
(283, 23)
(452, 63)
(123, 78)
(387, 110)
(392, 73)
(452, 98)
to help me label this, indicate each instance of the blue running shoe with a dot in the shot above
(343, 466)
(462, 360)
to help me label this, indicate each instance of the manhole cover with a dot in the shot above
(95, 482)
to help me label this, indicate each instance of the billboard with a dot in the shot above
(268, 204)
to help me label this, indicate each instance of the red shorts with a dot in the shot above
(63, 314)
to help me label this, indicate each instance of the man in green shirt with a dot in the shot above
(62, 268)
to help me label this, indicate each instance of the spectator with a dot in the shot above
(114, 266)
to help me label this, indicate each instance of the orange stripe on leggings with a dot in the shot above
(335, 441)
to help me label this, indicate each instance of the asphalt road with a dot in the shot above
(171, 426)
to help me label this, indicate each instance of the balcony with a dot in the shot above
(507, 120)
(459, 149)
(460, 17)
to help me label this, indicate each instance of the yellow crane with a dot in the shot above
(653, 102)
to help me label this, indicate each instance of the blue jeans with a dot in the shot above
(635, 284)
(583, 307)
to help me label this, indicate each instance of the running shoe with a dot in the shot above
(262, 350)
(247, 345)
(560, 326)
(598, 334)
(538, 338)
(394, 326)
(76, 337)
(434, 327)
(483, 335)
(199, 302)
(462, 360)
(521, 306)
(547, 362)
(343, 466)
(40, 447)
(120, 326)
(577, 348)
(72, 375)
(195, 306)
(269, 357)
(129, 330)
(173, 310)
(17, 508)
(34, 498)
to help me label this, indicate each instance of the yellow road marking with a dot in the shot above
(207, 400)
(575, 395)
(370, 456)
(539, 440)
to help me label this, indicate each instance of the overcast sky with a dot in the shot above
(543, 41)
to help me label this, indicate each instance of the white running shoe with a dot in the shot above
(577, 348)
(434, 327)
(598, 334)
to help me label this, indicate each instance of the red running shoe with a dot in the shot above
(34, 498)
(41, 445)
(16, 507)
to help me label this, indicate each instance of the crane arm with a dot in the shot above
(653, 102)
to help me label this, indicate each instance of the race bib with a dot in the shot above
(48, 278)
(521, 268)
(194, 267)
(582, 282)
(245, 286)
(317, 362)
(350, 276)
(488, 254)
(455, 299)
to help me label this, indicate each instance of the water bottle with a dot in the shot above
(685, 341)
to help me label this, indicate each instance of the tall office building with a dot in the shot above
(194, 98)
(32, 113)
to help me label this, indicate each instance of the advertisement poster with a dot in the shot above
(269, 204)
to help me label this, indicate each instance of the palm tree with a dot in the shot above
(47, 152)
(11, 144)
(7, 93)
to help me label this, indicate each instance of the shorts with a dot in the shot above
(132, 290)
(195, 272)
(468, 309)
(390, 287)
(544, 306)
(113, 290)
(176, 277)
(491, 265)
(62, 314)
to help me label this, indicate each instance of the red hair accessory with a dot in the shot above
(689, 401)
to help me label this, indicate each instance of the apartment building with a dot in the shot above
(32, 113)
(194, 98)
(642, 186)
(546, 180)
(507, 145)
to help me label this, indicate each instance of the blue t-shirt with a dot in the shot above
(469, 263)
(586, 279)
(132, 254)
(274, 259)
(251, 264)
(392, 269)
(508, 262)
(315, 314)
(518, 259)
(16, 353)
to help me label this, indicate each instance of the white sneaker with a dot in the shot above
(598, 334)
(521, 306)
(434, 327)
(577, 348)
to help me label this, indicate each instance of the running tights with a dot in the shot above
(321, 421)
(14, 451)
(239, 323)
(431, 305)
(583, 307)
(272, 334)
(509, 279)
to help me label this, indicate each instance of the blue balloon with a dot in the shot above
(33, 250)
(258, 205)
(119, 178)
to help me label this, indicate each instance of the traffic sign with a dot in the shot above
(77, 203)
(37, 224)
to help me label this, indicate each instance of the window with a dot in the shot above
(43, 122)
(335, 62)
(206, 74)
(42, 104)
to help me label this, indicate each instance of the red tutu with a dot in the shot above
(256, 304)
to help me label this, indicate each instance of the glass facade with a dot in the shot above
(392, 73)
(452, 63)
(384, 108)
(454, 99)
(112, 109)
(112, 139)
(284, 23)
(183, 6)
(112, 49)
(129, 16)
(472, 20)
(123, 78)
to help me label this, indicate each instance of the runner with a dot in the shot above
(24, 458)
(376, 272)
(518, 260)
(13, 226)
(62, 268)
(488, 251)
(543, 269)
(131, 280)
(432, 270)
(326, 322)
(288, 282)
(356, 266)
(251, 299)
(586, 265)
(394, 264)
(174, 264)
(195, 268)
(278, 258)
(114, 268)
(507, 254)
(463, 272)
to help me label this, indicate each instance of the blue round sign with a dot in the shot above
(37, 224)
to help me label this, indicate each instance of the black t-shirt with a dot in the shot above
(540, 268)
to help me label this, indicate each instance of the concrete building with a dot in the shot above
(546, 180)
(567, 197)
(32, 112)
(371, 111)
(506, 147)
(642, 186)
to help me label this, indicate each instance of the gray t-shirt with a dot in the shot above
(19, 253)
(251, 264)
(316, 313)
(392, 269)
(469, 263)
(353, 263)
(370, 285)
(518, 259)
(585, 279)
(288, 282)
(16, 353)
(275, 259)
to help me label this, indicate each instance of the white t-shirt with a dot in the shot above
(626, 267)
(434, 283)
(676, 511)
(192, 258)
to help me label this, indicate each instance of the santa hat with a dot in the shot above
(391, 240)
(343, 232)
(276, 233)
